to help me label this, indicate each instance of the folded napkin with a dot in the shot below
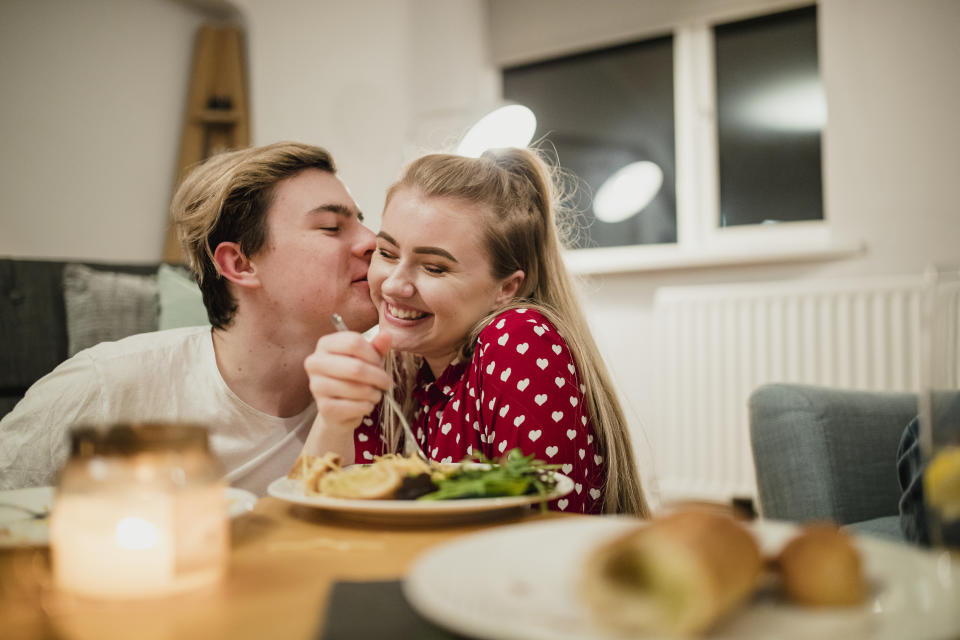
(374, 610)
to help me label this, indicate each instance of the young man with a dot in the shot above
(277, 245)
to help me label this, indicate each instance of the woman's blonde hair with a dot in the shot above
(226, 199)
(522, 232)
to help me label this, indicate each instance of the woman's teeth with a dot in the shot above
(405, 314)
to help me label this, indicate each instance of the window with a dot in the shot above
(730, 112)
(770, 114)
(603, 111)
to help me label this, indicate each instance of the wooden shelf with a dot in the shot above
(219, 116)
(218, 74)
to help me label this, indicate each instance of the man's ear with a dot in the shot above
(234, 265)
(509, 286)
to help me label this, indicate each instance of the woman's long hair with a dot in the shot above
(517, 192)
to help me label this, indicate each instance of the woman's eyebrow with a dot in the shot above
(435, 251)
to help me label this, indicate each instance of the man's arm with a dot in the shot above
(34, 436)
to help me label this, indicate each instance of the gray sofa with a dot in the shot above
(829, 454)
(51, 309)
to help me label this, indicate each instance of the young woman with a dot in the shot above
(490, 350)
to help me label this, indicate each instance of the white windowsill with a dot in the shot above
(672, 257)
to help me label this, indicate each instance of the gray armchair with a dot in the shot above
(829, 454)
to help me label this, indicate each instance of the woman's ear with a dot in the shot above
(234, 265)
(509, 287)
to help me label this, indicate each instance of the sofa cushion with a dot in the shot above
(181, 303)
(32, 322)
(105, 306)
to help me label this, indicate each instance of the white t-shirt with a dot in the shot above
(162, 376)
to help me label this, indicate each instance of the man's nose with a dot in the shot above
(365, 243)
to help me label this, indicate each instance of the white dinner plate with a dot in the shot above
(520, 581)
(414, 511)
(17, 528)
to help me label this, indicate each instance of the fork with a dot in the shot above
(410, 442)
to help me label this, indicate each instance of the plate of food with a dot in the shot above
(397, 489)
(605, 578)
(24, 513)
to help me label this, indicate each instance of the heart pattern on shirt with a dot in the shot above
(534, 356)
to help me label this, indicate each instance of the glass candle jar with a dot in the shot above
(140, 511)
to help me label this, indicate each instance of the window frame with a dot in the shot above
(701, 241)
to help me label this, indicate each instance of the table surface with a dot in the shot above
(283, 562)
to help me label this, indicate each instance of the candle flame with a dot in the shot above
(136, 533)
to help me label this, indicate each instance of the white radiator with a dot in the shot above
(716, 344)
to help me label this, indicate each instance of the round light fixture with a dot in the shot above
(627, 191)
(510, 126)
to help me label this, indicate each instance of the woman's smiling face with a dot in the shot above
(430, 276)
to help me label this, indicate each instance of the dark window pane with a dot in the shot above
(770, 114)
(602, 111)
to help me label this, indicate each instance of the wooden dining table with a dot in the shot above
(284, 560)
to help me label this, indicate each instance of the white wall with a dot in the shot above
(367, 80)
(93, 93)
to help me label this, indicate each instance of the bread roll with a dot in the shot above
(677, 575)
(821, 567)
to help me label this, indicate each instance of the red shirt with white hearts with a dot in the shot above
(520, 389)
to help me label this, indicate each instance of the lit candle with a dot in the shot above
(140, 512)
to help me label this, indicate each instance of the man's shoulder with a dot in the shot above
(142, 345)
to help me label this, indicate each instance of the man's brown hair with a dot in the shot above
(226, 199)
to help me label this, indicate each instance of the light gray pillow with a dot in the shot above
(107, 305)
(181, 303)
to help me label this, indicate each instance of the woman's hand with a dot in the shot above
(347, 381)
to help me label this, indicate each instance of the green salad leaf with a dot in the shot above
(512, 475)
